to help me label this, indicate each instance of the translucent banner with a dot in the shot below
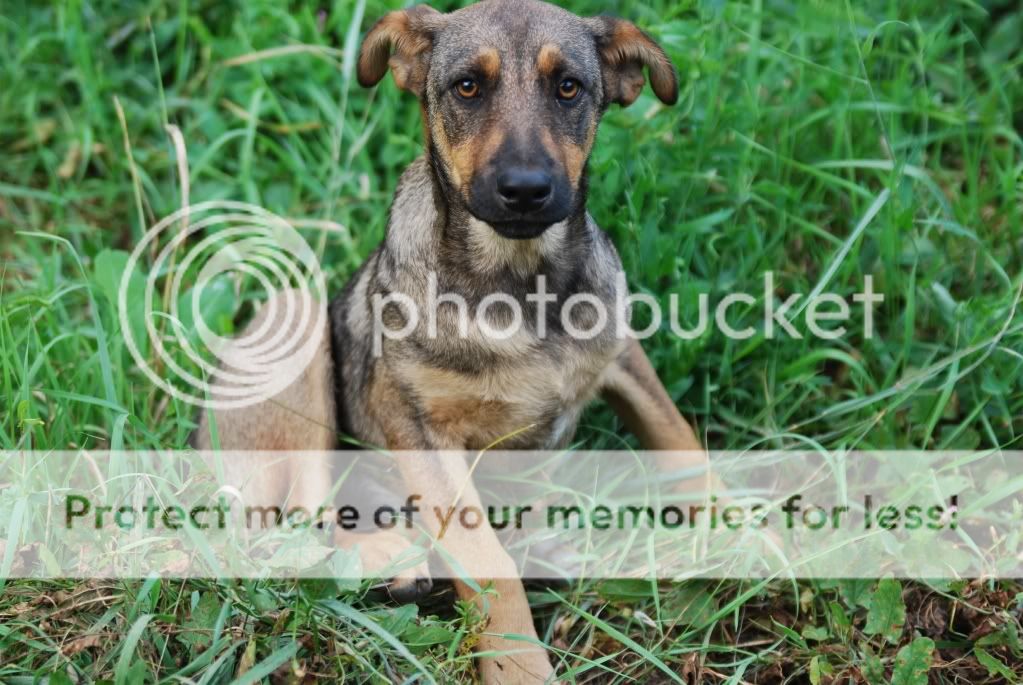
(355, 514)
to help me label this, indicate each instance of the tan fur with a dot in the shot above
(575, 161)
(548, 59)
(524, 392)
(515, 662)
(631, 386)
(424, 117)
(302, 413)
(625, 51)
(575, 156)
(299, 418)
(465, 419)
(407, 33)
(459, 161)
(489, 62)
(633, 390)
(572, 156)
(473, 155)
(549, 144)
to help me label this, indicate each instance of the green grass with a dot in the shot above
(795, 117)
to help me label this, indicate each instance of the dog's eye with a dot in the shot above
(467, 88)
(568, 89)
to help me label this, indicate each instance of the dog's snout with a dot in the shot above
(520, 198)
(525, 190)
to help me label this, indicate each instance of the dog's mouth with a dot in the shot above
(522, 229)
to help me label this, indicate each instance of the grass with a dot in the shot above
(796, 120)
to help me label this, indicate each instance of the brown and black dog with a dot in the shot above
(511, 93)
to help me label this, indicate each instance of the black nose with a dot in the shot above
(524, 190)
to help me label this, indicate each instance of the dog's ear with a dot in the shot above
(624, 52)
(410, 33)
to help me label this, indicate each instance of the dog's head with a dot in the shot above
(511, 93)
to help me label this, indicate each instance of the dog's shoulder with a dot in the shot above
(411, 237)
(603, 263)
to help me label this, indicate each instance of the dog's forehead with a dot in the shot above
(517, 29)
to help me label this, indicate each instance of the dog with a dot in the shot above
(511, 93)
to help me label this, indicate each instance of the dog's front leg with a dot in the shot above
(444, 484)
(631, 386)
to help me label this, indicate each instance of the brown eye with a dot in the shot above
(467, 88)
(568, 89)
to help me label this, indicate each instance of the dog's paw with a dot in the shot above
(387, 554)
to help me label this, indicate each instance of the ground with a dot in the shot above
(796, 122)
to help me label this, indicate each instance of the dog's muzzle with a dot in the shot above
(520, 202)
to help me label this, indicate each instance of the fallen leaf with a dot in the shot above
(247, 661)
(71, 158)
(80, 644)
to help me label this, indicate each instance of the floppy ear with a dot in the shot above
(624, 52)
(410, 33)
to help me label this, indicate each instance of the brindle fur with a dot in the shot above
(464, 392)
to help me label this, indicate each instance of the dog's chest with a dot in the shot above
(533, 402)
